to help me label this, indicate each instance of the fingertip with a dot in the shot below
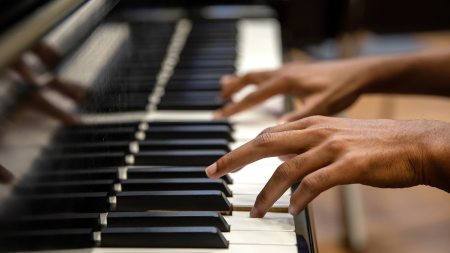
(211, 170)
(218, 114)
(256, 213)
(227, 79)
(282, 121)
(293, 210)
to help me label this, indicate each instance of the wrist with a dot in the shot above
(386, 73)
(437, 149)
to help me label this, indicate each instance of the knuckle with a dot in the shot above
(310, 184)
(336, 144)
(321, 133)
(264, 140)
(267, 130)
(314, 120)
(282, 173)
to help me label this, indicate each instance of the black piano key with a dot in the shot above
(83, 127)
(196, 76)
(58, 221)
(67, 202)
(209, 51)
(200, 86)
(168, 219)
(67, 186)
(206, 64)
(191, 105)
(76, 174)
(178, 157)
(168, 237)
(210, 43)
(144, 172)
(219, 122)
(175, 184)
(130, 87)
(110, 146)
(117, 105)
(151, 80)
(208, 200)
(96, 135)
(171, 144)
(87, 160)
(188, 132)
(190, 56)
(47, 239)
(223, 70)
(189, 95)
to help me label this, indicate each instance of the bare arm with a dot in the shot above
(329, 87)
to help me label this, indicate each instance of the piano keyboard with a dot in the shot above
(135, 182)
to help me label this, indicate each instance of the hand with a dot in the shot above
(325, 88)
(5, 175)
(75, 91)
(335, 151)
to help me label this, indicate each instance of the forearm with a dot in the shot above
(419, 73)
(437, 150)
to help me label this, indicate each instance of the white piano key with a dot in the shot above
(249, 189)
(258, 172)
(187, 115)
(261, 237)
(240, 248)
(255, 53)
(232, 249)
(269, 215)
(245, 202)
(269, 223)
(112, 117)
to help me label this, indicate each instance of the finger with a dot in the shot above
(285, 176)
(268, 145)
(298, 124)
(310, 109)
(71, 90)
(266, 90)
(315, 183)
(232, 84)
(5, 175)
(42, 104)
(287, 157)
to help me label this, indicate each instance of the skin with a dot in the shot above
(322, 152)
(40, 103)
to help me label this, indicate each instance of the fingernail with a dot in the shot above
(211, 170)
(218, 114)
(282, 121)
(292, 210)
(226, 78)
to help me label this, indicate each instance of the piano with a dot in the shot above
(130, 177)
